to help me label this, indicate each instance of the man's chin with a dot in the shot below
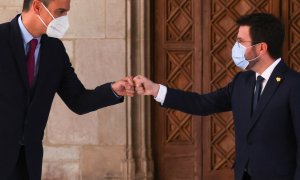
(251, 66)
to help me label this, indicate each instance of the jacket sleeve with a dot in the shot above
(79, 99)
(197, 104)
(200, 104)
(295, 113)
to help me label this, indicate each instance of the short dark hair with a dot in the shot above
(266, 28)
(27, 4)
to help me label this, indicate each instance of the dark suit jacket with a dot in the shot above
(268, 140)
(24, 111)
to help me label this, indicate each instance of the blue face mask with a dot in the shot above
(238, 56)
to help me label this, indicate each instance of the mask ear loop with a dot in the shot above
(47, 10)
(48, 13)
(42, 20)
(250, 60)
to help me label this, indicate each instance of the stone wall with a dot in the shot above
(97, 145)
(90, 146)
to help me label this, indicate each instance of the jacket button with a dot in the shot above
(21, 142)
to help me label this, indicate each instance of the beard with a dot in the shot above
(253, 62)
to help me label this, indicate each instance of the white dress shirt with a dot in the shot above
(266, 75)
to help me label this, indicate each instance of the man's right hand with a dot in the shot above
(124, 87)
(144, 86)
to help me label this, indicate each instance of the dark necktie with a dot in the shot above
(258, 88)
(31, 60)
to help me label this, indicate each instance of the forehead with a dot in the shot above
(244, 33)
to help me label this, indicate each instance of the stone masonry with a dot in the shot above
(91, 146)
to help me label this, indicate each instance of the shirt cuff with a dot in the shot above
(161, 96)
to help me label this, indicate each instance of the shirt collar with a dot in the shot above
(267, 73)
(27, 37)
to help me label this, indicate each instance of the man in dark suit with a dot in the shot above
(33, 67)
(265, 101)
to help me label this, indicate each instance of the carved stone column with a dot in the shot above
(138, 163)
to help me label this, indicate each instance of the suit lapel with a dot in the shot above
(16, 43)
(250, 84)
(271, 87)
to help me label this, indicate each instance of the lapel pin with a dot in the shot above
(278, 79)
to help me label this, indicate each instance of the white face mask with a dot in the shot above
(57, 27)
(238, 55)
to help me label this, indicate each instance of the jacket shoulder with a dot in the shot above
(4, 29)
(245, 75)
(293, 75)
(54, 42)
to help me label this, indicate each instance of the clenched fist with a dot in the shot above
(124, 87)
(144, 86)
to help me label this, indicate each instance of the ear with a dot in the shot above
(263, 48)
(36, 6)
